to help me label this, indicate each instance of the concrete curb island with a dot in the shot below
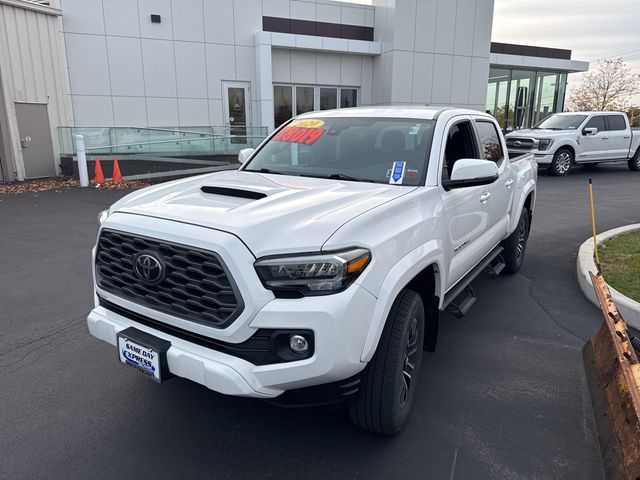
(630, 309)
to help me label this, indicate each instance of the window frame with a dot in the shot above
(604, 122)
(475, 146)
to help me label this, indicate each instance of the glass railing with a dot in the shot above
(182, 142)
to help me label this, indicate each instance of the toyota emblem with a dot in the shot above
(517, 143)
(148, 267)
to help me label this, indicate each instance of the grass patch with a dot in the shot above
(620, 264)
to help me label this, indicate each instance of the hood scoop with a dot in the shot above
(233, 192)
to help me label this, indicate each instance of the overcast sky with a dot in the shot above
(592, 29)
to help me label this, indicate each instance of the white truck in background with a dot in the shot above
(579, 138)
(317, 271)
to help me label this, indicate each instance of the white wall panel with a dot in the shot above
(350, 70)
(276, 8)
(190, 67)
(220, 66)
(193, 111)
(125, 66)
(215, 112)
(425, 40)
(303, 67)
(442, 71)
(460, 77)
(402, 77)
(404, 25)
(303, 10)
(366, 87)
(159, 68)
(478, 81)
(218, 21)
(187, 20)
(130, 111)
(83, 16)
(164, 29)
(247, 20)
(465, 27)
(328, 65)
(352, 15)
(246, 65)
(328, 13)
(121, 18)
(92, 111)
(445, 25)
(281, 65)
(482, 30)
(162, 112)
(422, 77)
(88, 65)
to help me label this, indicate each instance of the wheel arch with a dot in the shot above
(570, 147)
(424, 274)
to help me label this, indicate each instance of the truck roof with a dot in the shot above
(392, 111)
(590, 112)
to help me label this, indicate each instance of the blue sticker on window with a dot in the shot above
(397, 173)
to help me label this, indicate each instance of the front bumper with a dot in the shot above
(339, 322)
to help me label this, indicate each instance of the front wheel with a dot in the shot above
(388, 385)
(561, 163)
(516, 244)
(634, 163)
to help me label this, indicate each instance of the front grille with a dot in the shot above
(521, 143)
(195, 284)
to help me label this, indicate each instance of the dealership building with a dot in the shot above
(250, 64)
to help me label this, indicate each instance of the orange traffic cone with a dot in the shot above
(98, 177)
(117, 176)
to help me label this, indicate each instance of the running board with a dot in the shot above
(496, 266)
(463, 302)
(461, 286)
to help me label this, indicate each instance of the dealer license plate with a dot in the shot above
(144, 359)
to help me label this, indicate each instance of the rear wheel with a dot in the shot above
(516, 244)
(634, 163)
(389, 382)
(561, 163)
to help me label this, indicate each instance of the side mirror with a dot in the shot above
(244, 155)
(589, 131)
(471, 172)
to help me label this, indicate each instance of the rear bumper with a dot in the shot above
(340, 324)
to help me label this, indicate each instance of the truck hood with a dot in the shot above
(270, 213)
(538, 133)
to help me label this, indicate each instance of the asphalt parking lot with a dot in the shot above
(504, 396)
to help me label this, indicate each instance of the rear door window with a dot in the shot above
(616, 122)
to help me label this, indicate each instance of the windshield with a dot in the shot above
(561, 122)
(380, 150)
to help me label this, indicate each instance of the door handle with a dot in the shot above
(508, 183)
(484, 197)
(605, 138)
(626, 136)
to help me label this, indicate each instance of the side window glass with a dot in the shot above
(461, 143)
(616, 122)
(596, 122)
(490, 146)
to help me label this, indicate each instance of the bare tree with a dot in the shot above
(609, 86)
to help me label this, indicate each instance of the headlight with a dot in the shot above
(102, 216)
(544, 143)
(313, 274)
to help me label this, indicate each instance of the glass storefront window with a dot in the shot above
(282, 103)
(522, 98)
(304, 100)
(348, 97)
(328, 98)
(545, 100)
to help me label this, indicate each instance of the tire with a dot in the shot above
(516, 244)
(634, 162)
(388, 384)
(561, 164)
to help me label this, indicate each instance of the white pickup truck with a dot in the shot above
(583, 138)
(316, 272)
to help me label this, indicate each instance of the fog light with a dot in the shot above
(298, 343)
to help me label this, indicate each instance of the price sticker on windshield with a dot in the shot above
(397, 173)
(301, 135)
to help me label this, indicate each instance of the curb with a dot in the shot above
(629, 309)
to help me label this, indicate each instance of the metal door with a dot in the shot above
(35, 137)
(594, 147)
(236, 97)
